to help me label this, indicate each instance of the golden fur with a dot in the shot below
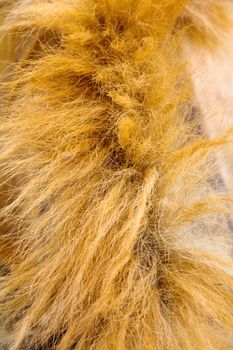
(114, 228)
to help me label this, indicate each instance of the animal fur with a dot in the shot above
(213, 82)
(114, 227)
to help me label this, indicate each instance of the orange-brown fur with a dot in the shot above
(115, 230)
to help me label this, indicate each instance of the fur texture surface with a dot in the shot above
(213, 83)
(114, 230)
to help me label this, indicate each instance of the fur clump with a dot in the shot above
(113, 230)
(207, 21)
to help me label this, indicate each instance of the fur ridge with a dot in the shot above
(114, 230)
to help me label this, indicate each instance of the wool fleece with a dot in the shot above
(115, 219)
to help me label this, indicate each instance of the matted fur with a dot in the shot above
(113, 227)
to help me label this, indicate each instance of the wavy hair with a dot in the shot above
(114, 225)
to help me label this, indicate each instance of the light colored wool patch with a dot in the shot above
(213, 82)
(112, 226)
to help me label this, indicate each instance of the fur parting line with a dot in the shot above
(114, 218)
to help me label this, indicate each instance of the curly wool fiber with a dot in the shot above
(113, 231)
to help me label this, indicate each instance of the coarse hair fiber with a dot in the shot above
(115, 224)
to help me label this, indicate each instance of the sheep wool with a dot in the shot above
(115, 221)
